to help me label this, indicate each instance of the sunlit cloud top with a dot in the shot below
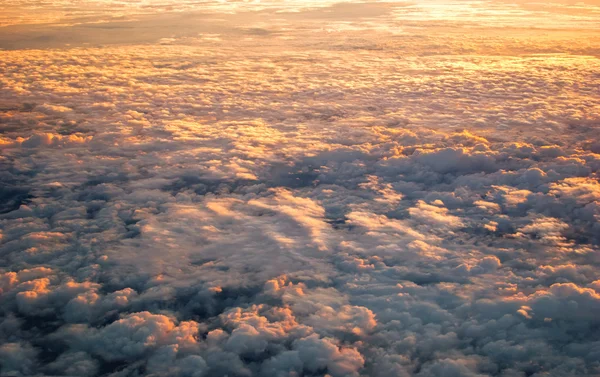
(518, 13)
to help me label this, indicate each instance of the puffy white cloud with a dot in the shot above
(434, 215)
(318, 354)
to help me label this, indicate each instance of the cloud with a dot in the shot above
(18, 358)
(303, 189)
(435, 215)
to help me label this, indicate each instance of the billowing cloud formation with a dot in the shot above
(344, 191)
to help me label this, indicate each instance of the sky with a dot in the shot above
(300, 188)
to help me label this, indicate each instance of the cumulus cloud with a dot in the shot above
(299, 189)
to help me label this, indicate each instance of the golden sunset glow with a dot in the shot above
(203, 188)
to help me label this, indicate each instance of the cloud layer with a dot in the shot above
(317, 196)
